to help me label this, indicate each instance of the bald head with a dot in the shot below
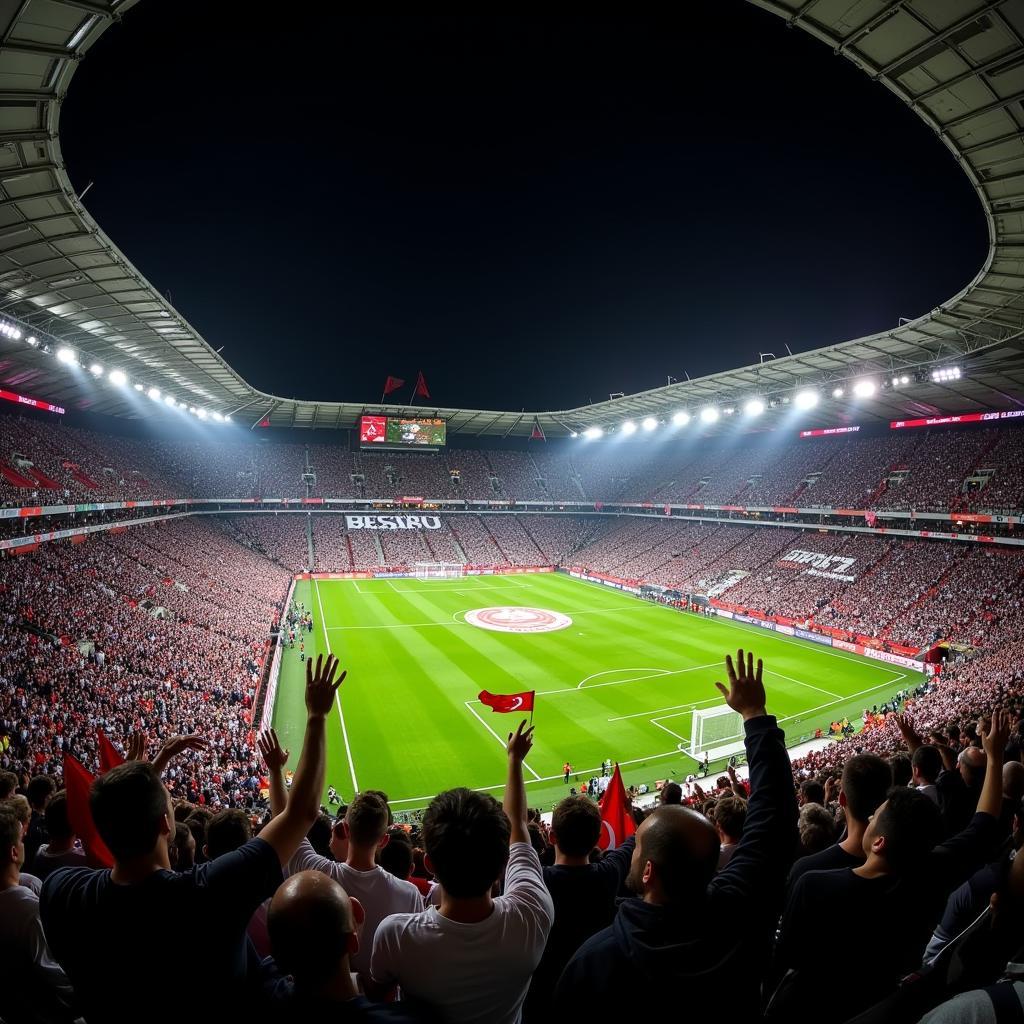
(1013, 781)
(676, 855)
(311, 926)
(972, 766)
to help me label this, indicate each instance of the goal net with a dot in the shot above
(438, 570)
(717, 732)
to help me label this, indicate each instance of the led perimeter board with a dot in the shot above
(401, 432)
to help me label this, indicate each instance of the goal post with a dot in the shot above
(717, 732)
(438, 570)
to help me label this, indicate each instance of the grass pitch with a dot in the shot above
(621, 682)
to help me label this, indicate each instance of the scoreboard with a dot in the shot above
(401, 432)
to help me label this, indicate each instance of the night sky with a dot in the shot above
(534, 211)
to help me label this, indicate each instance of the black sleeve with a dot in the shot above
(241, 880)
(757, 870)
(955, 860)
(613, 867)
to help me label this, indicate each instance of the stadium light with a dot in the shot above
(32, 340)
(227, 419)
(201, 413)
(629, 427)
(805, 399)
(96, 370)
(709, 415)
(680, 419)
(650, 423)
(754, 407)
(154, 393)
(66, 355)
(729, 410)
(218, 418)
(118, 378)
(169, 399)
(838, 392)
(591, 433)
(946, 373)
(138, 387)
(865, 388)
(572, 433)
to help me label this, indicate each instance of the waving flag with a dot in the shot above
(507, 703)
(109, 757)
(77, 783)
(617, 823)
(392, 384)
(421, 386)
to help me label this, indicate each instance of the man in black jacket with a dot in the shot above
(583, 893)
(690, 933)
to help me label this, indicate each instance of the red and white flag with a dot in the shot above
(617, 823)
(507, 703)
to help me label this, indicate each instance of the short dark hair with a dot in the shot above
(8, 784)
(39, 790)
(10, 829)
(57, 824)
(128, 804)
(817, 828)
(226, 831)
(671, 793)
(902, 770)
(384, 797)
(928, 762)
(319, 835)
(396, 857)
(912, 826)
(866, 780)
(576, 824)
(466, 836)
(730, 815)
(812, 791)
(367, 818)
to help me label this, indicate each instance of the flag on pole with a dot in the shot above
(617, 823)
(109, 757)
(421, 386)
(506, 703)
(77, 783)
(393, 384)
(537, 434)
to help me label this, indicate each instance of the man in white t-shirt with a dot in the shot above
(471, 958)
(42, 991)
(365, 828)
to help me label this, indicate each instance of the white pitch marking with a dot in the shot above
(504, 743)
(337, 695)
(799, 682)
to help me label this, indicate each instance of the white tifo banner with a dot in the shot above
(393, 522)
(834, 567)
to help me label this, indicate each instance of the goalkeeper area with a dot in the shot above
(615, 676)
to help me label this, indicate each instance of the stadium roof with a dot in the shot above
(959, 66)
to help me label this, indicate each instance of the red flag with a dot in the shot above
(109, 757)
(617, 823)
(421, 386)
(77, 782)
(505, 703)
(393, 384)
(537, 434)
(870, 518)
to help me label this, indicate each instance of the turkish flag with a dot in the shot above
(617, 823)
(109, 757)
(421, 386)
(392, 384)
(77, 783)
(506, 703)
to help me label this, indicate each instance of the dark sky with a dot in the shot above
(533, 211)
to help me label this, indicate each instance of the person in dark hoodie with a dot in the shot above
(583, 893)
(690, 933)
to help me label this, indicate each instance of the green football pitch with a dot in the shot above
(620, 681)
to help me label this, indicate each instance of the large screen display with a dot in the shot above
(401, 432)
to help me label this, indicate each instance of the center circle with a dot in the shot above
(514, 619)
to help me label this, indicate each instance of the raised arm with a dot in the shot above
(910, 735)
(993, 741)
(763, 855)
(519, 744)
(275, 759)
(286, 831)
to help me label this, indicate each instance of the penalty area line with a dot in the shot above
(503, 743)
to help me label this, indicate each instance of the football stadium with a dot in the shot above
(468, 697)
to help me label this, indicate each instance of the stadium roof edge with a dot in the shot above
(960, 67)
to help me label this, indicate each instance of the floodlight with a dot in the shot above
(680, 419)
(96, 370)
(66, 355)
(709, 414)
(592, 433)
(154, 393)
(754, 407)
(117, 377)
(805, 399)
(650, 423)
(865, 388)
(629, 427)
